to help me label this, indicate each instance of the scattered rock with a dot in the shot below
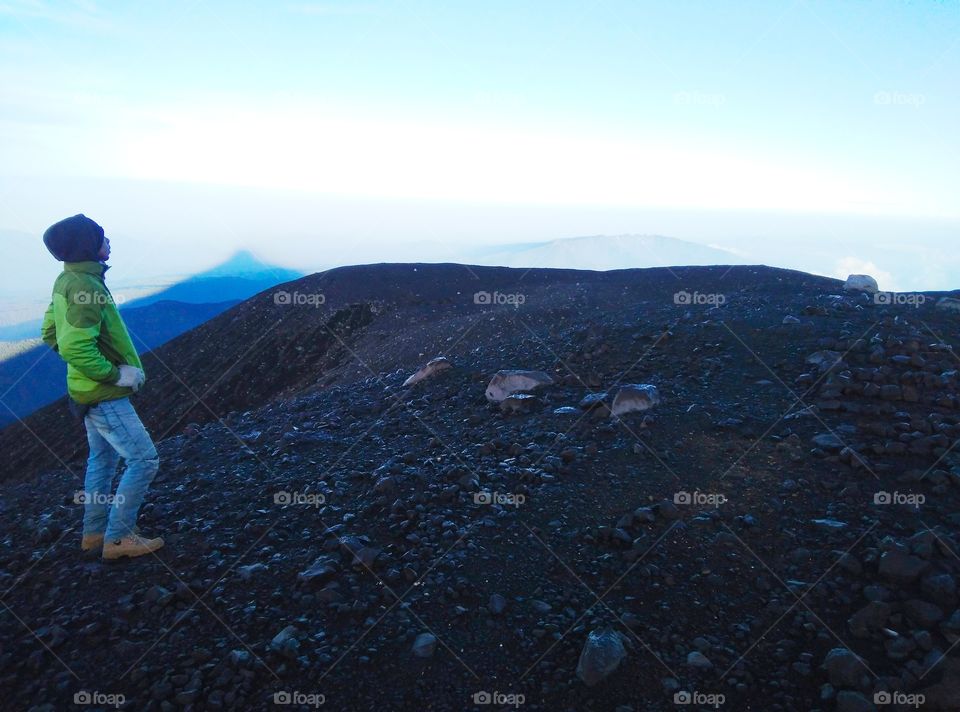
(850, 701)
(432, 367)
(696, 659)
(601, 655)
(634, 397)
(845, 669)
(497, 604)
(285, 642)
(424, 645)
(900, 567)
(320, 571)
(507, 382)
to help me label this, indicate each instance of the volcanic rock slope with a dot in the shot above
(778, 533)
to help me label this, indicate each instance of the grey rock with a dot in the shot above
(850, 701)
(901, 567)
(285, 642)
(320, 571)
(926, 615)
(845, 669)
(698, 660)
(424, 645)
(601, 655)
(633, 398)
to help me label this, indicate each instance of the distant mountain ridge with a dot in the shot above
(607, 252)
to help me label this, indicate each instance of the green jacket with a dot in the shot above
(84, 326)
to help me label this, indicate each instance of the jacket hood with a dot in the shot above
(75, 239)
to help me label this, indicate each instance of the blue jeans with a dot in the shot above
(113, 431)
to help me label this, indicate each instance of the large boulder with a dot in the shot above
(861, 283)
(634, 397)
(507, 382)
(432, 367)
(601, 655)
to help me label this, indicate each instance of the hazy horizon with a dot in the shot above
(798, 135)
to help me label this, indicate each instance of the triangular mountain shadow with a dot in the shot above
(152, 321)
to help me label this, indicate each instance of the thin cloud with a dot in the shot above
(77, 13)
(327, 8)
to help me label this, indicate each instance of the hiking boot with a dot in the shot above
(91, 542)
(133, 545)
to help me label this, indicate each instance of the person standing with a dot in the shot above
(84, 326)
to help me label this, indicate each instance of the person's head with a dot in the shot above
(77, 239)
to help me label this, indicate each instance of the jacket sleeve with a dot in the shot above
(78, 330)
(48, 331)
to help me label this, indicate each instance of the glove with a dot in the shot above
(131, 377)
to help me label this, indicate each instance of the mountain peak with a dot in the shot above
(244, 263)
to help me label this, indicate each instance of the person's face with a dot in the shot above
(104, 253)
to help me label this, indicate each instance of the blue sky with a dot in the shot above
(800, 108)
